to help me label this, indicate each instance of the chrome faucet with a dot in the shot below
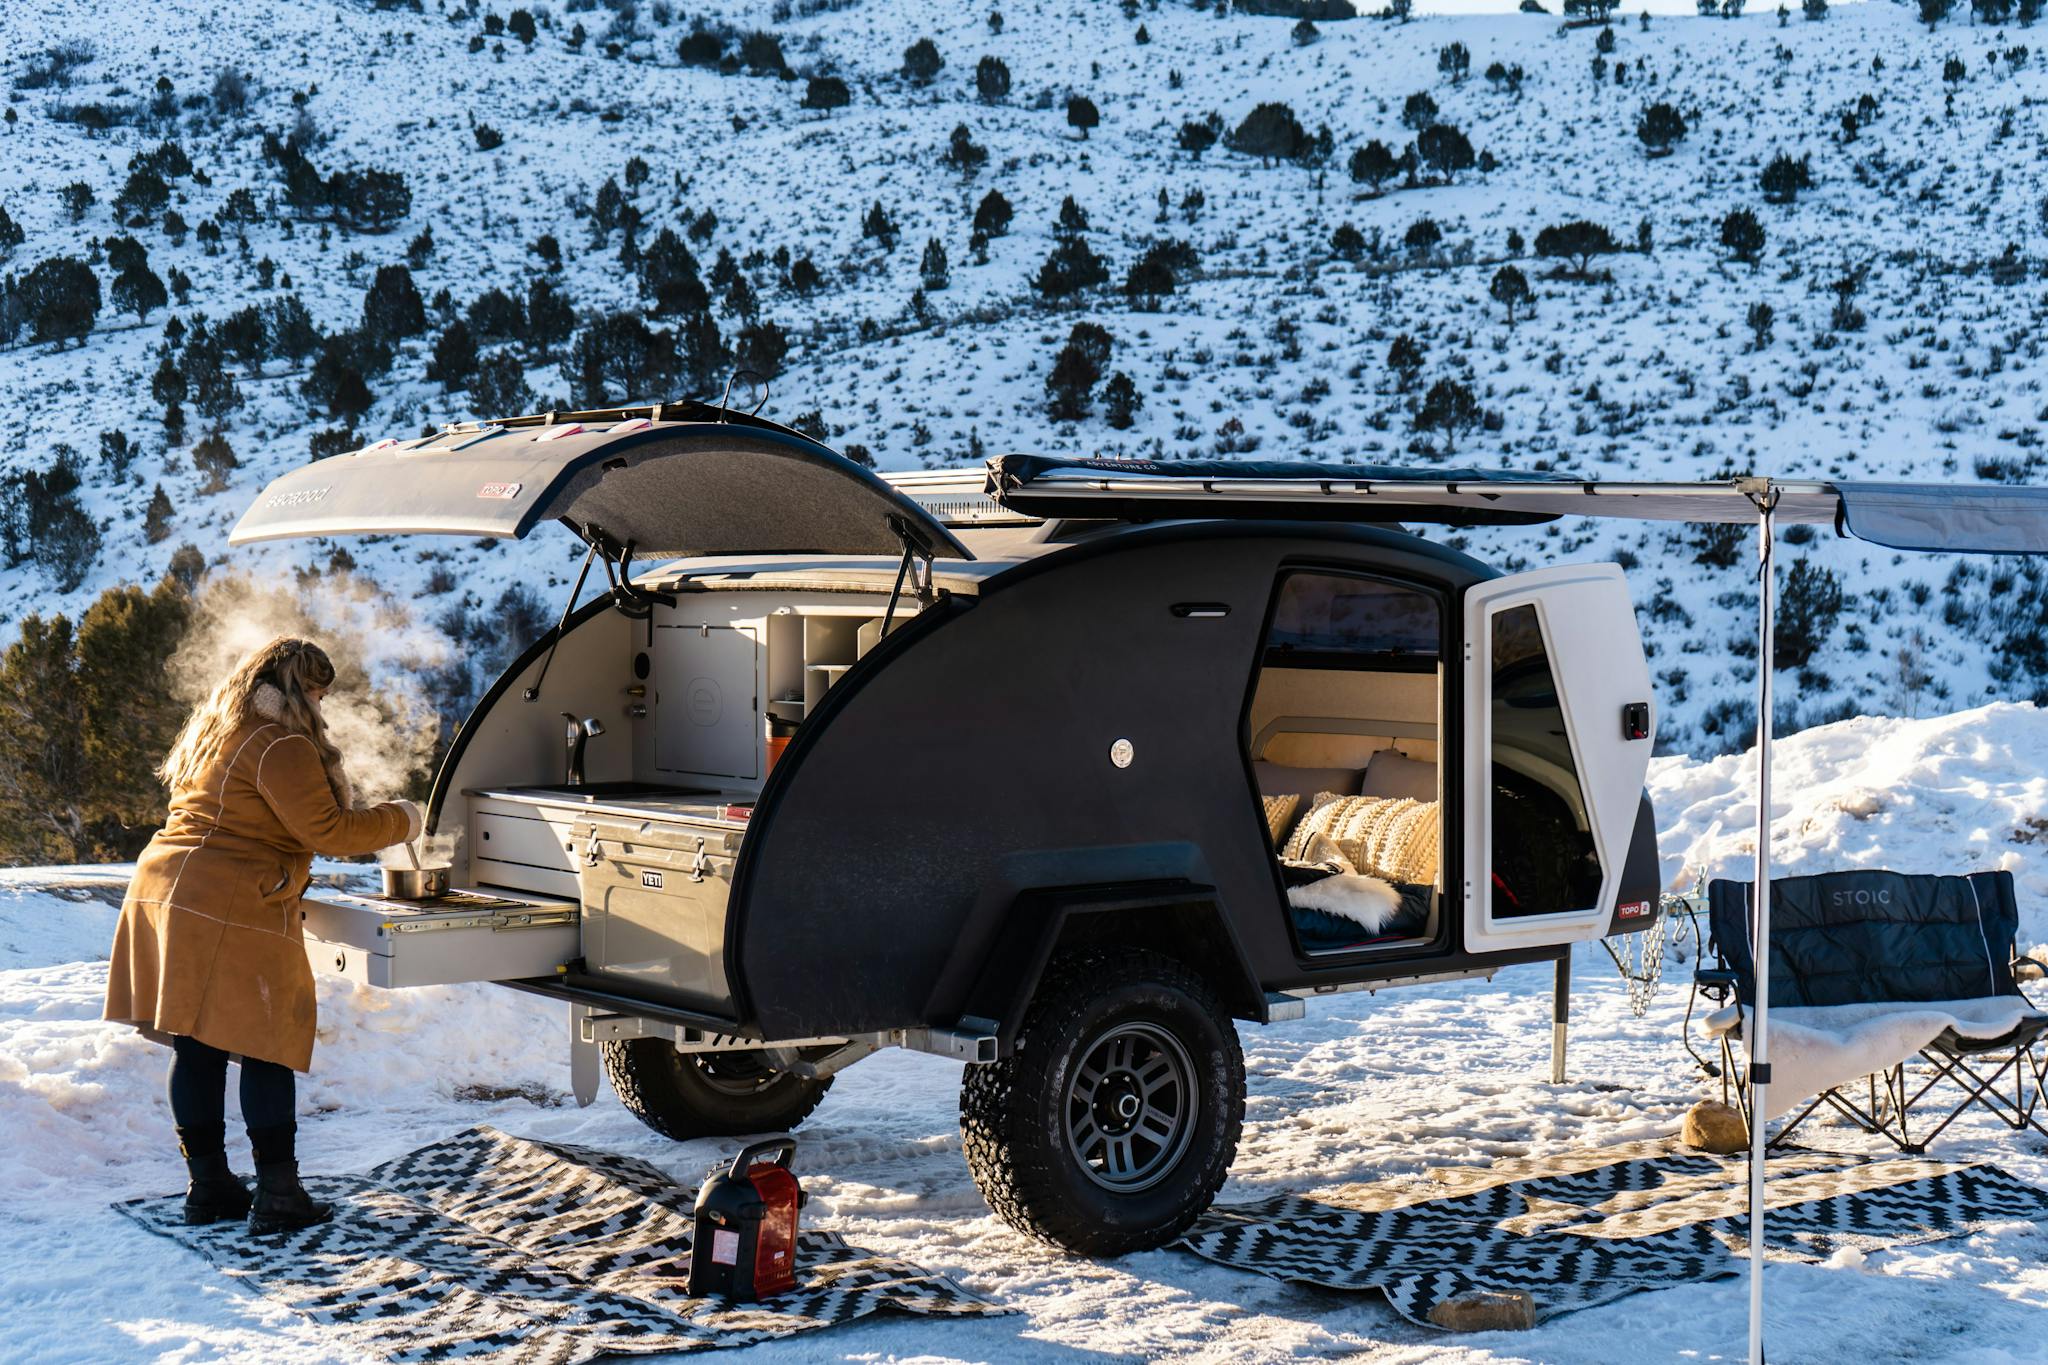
(575, 735)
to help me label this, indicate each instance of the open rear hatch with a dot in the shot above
(653, 488)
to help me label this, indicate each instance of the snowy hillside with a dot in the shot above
(1365, 1088)
(1903, 287)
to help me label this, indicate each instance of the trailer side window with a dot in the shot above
(1544, 861)
(1334, 620)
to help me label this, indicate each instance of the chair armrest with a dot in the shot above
(2028, 969)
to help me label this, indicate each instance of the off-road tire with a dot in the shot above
(1014, 1114)
(673, 1093)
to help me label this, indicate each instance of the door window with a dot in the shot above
(1544, 859)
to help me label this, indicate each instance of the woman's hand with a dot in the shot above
(415, 820)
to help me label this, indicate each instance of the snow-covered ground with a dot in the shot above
(1365, 1088)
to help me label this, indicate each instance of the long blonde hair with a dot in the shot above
(294, 667)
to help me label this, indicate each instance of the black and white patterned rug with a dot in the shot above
(1589, 1227)
(492, 1248)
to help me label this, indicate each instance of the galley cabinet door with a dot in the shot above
(1556, 745)
(706, 714)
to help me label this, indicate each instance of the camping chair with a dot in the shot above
(1870, 937)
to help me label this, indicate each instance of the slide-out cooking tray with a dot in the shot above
(462, 936)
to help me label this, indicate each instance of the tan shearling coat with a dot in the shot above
(209, 943)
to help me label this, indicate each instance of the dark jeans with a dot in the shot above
(199, 1086)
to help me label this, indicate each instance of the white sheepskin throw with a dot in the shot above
(1818, 1047)
(1366, 901)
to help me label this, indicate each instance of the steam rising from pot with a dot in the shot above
(377, 714)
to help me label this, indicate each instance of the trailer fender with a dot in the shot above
(1181, 918)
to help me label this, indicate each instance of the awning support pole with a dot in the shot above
(1560, 1016)
(1766, 499)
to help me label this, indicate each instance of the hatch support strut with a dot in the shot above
(915, 546)
(630, 601)
(568, 608)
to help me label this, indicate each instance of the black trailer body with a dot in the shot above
(898, 762)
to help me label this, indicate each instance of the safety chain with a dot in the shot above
(1642, 963)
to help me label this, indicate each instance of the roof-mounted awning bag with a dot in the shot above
(1954, 518)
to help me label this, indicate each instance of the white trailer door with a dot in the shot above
(1557, 729)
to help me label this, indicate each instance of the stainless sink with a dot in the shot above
(604, 791)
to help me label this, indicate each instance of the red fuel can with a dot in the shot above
(745, 1243)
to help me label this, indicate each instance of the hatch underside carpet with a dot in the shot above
(1588, 1227)
(497, 1249)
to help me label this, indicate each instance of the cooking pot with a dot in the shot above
(416, 883)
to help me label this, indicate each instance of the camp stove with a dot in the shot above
(745, 1243)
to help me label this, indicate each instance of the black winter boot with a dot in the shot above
(281, 1203)
(216, 1193)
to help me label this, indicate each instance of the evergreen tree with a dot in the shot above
(669, 278)
(139, 292)
(1743, 235)
(1071, 268)
(392, 308)
(1418, 111)
(879, 226)
(1082, 114)
(826, 93)
(1072, 220)
(1660, 128)
(992, 214)
(42, 758)
(455, 356)
(1269, 132)
(549, 319)
(761, 348)
(963, 153)
(156, 522)
(1578, 241)
(1510, 287)
(1444, 150)
(60, 298)
(143, 196)
(10, 234)
(921, 62)
(1199, 135)
(1374, 164)
(213, 457)
(499, 387)
(1121, 401)
(1784, 177)
(1404, 358)
(1450, 408)
(991, 79)
(290, 329)
(617, 358)
(932, 269)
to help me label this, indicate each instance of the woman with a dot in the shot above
(209, 956)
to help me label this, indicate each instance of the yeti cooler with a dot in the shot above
(745, 1243)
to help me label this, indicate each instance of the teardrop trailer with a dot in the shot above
(1052, 728)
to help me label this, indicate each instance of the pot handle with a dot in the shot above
(783, 1148)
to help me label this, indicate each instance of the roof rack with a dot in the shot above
(958, 497)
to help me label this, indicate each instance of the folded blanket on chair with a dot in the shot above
(1818, 1047)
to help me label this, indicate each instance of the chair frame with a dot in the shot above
(1886, 1106)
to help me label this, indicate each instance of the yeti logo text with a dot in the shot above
(300, 498)
(1883, 897)
(501, 492)
(651, 880)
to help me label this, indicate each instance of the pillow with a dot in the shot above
(1277, 779)
(1280, 815)
(1396, 839)
(1392, 773)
